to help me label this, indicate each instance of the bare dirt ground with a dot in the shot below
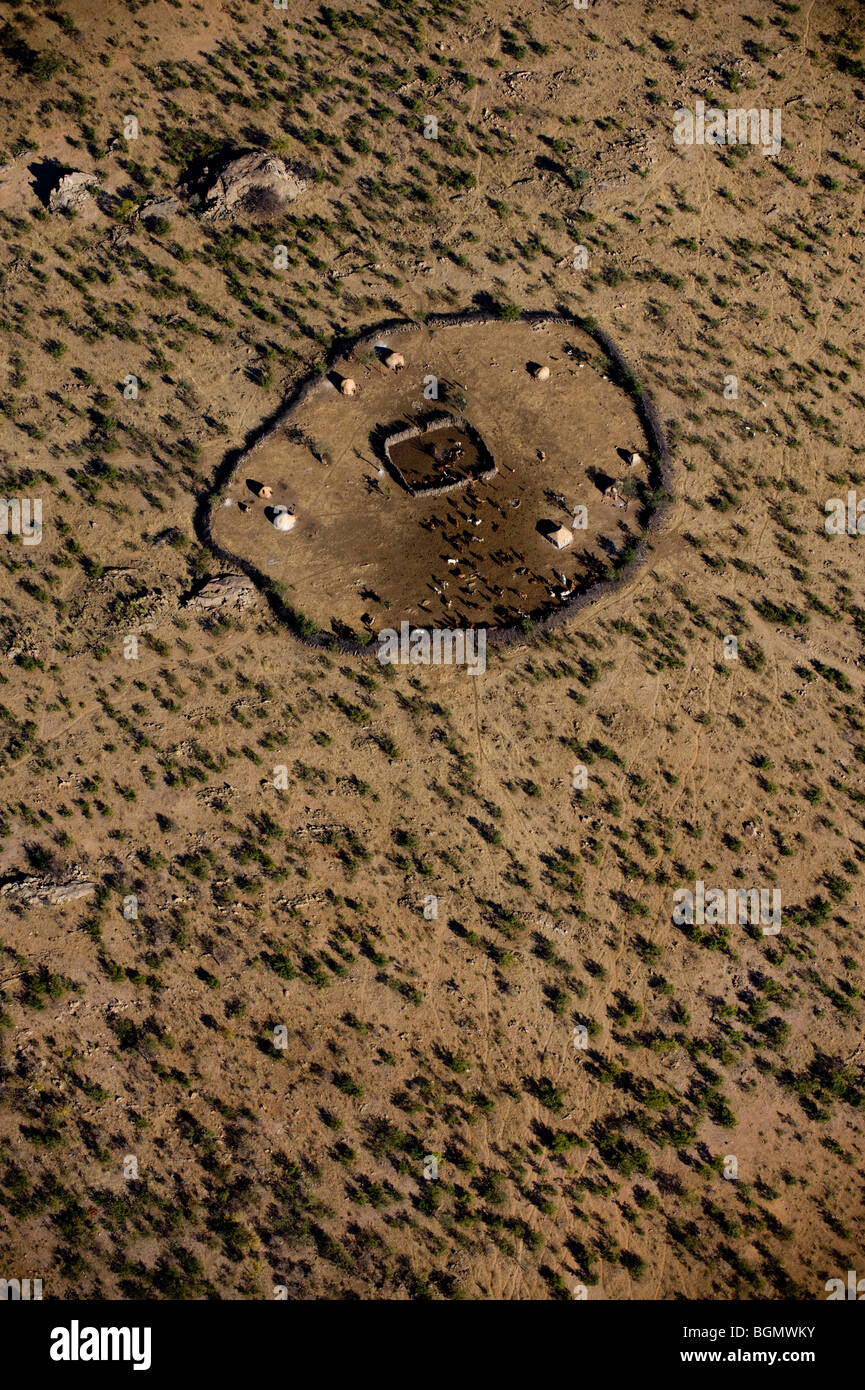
(363, 546)
(225, 1070)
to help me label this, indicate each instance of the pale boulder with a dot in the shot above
(256, 182)
(72, 192)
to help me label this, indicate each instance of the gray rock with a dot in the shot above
(72, 191)
(227, 590)
(46, 892)
(159, 207)
(255, 182)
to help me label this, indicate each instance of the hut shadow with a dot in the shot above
(383, 352)
(547, 528)
(337, 379)
(599, 478)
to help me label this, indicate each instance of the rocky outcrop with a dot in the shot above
(226, 591)
(159, 207)
(72, 192)
(39, 891)
(256, 183)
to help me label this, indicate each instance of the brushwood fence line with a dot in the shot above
(513, 633)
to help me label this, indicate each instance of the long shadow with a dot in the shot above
(47, 173)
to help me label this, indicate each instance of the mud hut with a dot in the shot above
(560, 536)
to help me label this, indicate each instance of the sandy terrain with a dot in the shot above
(343, 920)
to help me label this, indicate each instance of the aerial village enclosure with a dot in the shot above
(468, 472)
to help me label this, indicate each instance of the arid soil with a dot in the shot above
(365, 548)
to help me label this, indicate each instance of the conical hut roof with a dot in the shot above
(560, 537)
